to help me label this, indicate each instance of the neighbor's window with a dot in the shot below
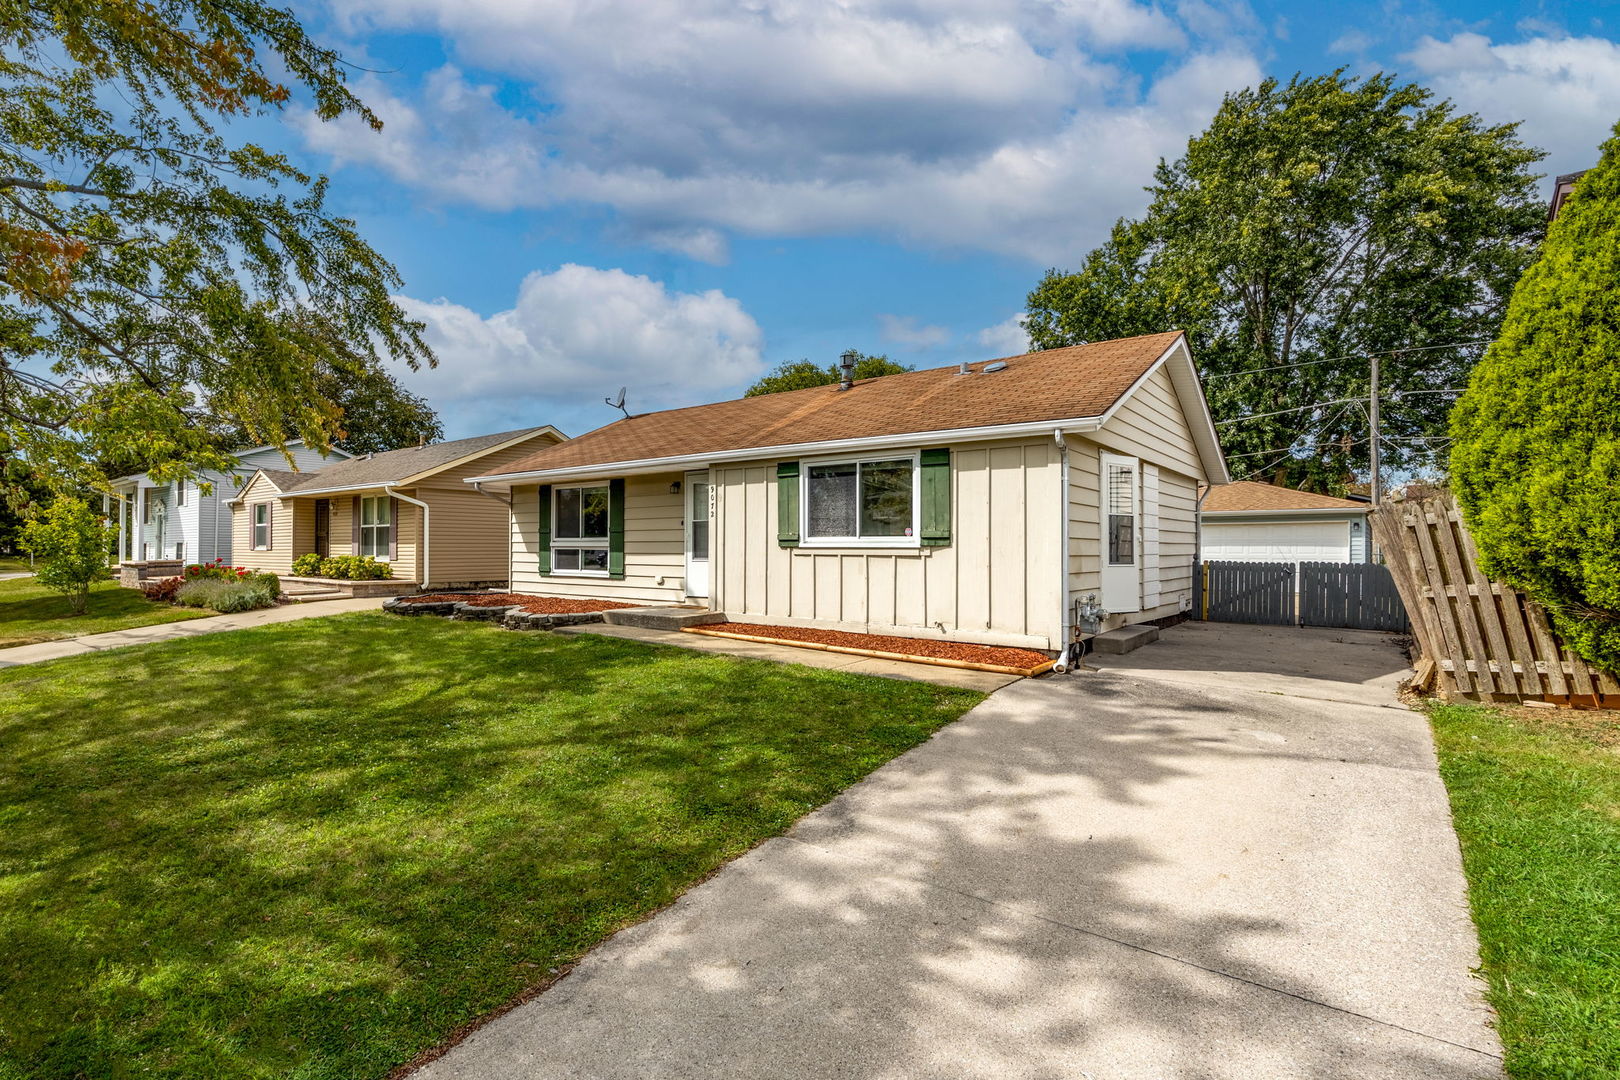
(261, 526)
(1121, 515)
(180, 551)
(180, 493)
(579, 531)
(864, 502)
(147, 505)
(376, 521)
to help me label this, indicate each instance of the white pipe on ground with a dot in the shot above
(427, 574)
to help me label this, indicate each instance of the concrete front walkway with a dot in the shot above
(1115, 876)
(141, 635)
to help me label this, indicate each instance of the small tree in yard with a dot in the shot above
(71, 542)
(1536, 455)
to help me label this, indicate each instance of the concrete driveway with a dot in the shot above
(1127, 874)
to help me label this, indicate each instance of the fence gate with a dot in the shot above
(1247, 592)
(1356, 596)
(1352, 596)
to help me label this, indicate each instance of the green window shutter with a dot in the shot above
(545, 529)
(936, 498)
(787, 503)
(616, 528)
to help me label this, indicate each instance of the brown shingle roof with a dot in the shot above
(284, 479)
(395, 465)
(1055, 384)
(1252, 495)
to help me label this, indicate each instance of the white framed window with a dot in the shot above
(180, 550)
(579, 530)
(261, 526)
(376, 525)
(180, 493)
(1121, 496)
(860, 502)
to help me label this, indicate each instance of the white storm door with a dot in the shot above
(1121, 534)
(697, 534)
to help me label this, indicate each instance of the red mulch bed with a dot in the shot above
(935, 648)
(544, 605)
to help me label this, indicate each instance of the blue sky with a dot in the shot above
(679, 195)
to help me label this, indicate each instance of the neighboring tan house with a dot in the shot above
(980, 502)
(1253, 522)
(406, 507)
(176, 520)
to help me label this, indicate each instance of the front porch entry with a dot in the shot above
(699, 511)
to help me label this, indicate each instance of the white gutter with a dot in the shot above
(755, 453)
(1064, 629)
(426, 574)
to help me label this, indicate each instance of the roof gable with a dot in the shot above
(411, 463)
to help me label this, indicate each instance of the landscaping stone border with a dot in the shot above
(512, 617)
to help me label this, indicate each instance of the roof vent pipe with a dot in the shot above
(964, 369)
(846, 365)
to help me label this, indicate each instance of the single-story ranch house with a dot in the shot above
(1253, 522)
(980, 502)
(406, 507)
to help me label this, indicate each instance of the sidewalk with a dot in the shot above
(142, 635)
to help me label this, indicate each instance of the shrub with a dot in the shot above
(355, 568)
(1537, 434)
(266, 581)
(71, 542)
(307, 565)
(162, 589)
(224, 596)
(216, 569)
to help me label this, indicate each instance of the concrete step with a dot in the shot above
(1127, 638)
(662, 618)
(309, 596)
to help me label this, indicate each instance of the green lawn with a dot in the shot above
(15, 564)
(30, 612)
(1536, 797)
(313, 849)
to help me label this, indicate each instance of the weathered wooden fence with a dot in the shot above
(1483, 639)
(1347, 595)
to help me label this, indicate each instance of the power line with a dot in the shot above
(1280, 412)
(1347, 356)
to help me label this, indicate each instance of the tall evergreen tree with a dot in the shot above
(1536, 461)
(1322, 218)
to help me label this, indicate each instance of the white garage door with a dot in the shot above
(1305, 541)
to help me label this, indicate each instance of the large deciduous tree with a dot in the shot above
(1326, 217)
(163, 287)
(802, 374)
(1536, 458)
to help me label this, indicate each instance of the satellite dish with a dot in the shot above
(617, 402)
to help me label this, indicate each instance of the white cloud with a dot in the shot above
(576, 334)
(1565, 89)
(1351, 41)
(1008, 337)
(988, 124)
(903, 330)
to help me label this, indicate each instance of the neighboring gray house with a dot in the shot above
(177, 521)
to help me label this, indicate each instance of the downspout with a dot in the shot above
(478, 487)
(1200, 601)
(1066, 630)
(427, 574)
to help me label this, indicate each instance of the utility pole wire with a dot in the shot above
(1348, 356)
(1279, 412)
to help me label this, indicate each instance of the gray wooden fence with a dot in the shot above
(1359, 596)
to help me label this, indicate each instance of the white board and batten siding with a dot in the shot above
(1151, 428)
(995, 583)
(654, 546)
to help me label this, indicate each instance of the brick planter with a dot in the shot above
(131, 574)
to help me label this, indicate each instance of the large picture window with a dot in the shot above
(376, 525)
(868, 502)
(579, 535)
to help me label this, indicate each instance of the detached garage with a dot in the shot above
(1254, 522)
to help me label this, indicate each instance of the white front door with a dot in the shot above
(697, 534)
(1121, 534)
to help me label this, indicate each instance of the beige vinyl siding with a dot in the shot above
(1150, 425)
(407, 528)
(470, 541)
(654, 545)
(284, 530)
(997, 581)
(1177, 535)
